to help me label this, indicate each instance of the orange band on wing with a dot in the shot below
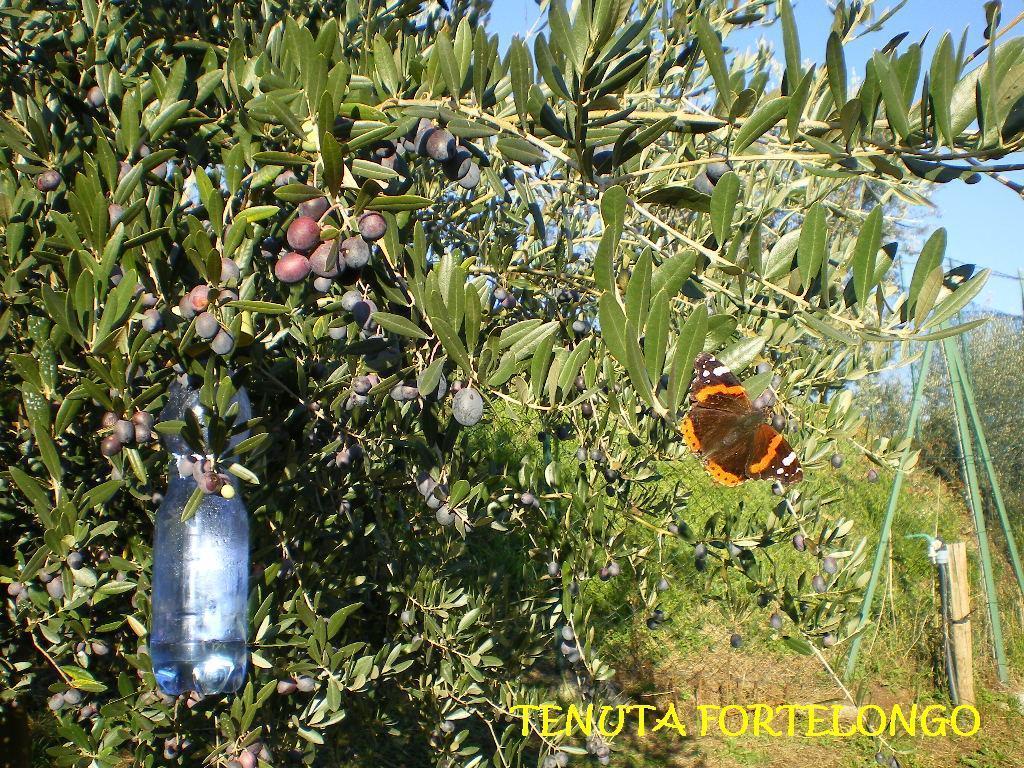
(723, 476)
(704, 393)
(769, 454)
(690, 435)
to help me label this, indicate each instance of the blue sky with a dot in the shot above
(982, 221)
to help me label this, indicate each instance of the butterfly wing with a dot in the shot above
(772, 458)
(715, 424)
(716, 387)
(720, 428)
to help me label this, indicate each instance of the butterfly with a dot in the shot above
(730, 434)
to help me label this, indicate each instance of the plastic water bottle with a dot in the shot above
(200, 573)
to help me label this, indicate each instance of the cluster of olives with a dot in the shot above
(71, 698)
(828, 564)
(361, 386)
(656, 619)
(302, 683)
(251, 756)
(595, 455)
(609, 571)
(568, 645)
(123, 432)
(93, 648)
(361, 309)
(207, 476)
(200, 305)
(54, 585)
(348, 455)
(175, 746)
(679, 528)
(438, 144)
(504, 298)
(598, 747)
(435, 495)
(559, 759)
(326, 259)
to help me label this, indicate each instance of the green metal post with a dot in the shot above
(956, 382)
(890, 511)
(990, 471)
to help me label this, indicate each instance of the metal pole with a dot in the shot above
(1020, 279)
(953, 363)
(990, 471)
(890, 512)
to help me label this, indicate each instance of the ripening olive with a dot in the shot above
(223, 343)
(303, 234)
(315, 208)
(372, 226)
(206, 325)
(293, 267)
(355, 251)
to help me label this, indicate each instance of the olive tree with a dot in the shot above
(415, 252)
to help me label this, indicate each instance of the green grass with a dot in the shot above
(900, 652)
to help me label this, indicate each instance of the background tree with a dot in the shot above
(549, 236)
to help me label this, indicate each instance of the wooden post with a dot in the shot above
(960, 615)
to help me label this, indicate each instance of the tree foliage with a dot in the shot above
(645, 192)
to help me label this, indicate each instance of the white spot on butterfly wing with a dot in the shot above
(789, 459)
(721, 370)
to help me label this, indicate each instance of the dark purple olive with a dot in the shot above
(438, 144)
(124, 431)
(110, 446)
(471, 179)
(47, 181)
(228, 270)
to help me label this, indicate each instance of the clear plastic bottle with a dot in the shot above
(200, 574)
